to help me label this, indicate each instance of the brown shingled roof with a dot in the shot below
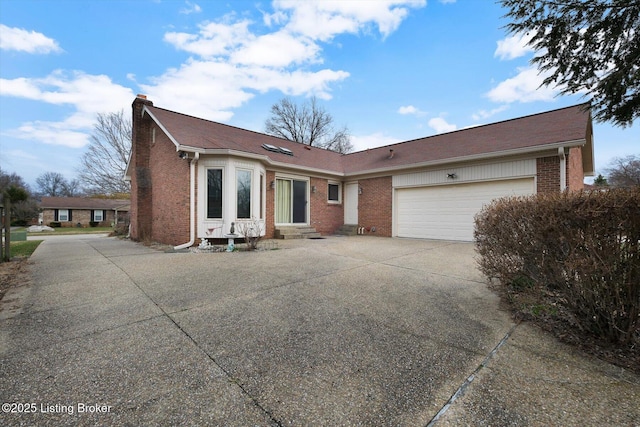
(200, 134)
(566, 126)
(84, 203)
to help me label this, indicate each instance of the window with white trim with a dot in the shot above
(243, 192)
(63, 215)
(334, 192)
(214, 193)
(98, 215)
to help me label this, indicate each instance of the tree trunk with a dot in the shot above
(7, 229)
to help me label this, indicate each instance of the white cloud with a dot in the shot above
(440, 125)
(410, 109)
(86, 94)
(513, 46)
(485, 114)
(322, 20)
(26, 41)
(231, 62)
(524, 87)
(213, 39)
(279, 49)
(190, 8)
(377, 139)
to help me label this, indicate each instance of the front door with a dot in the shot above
(291, 201)
(351, 203)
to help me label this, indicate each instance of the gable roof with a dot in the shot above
(84, 203)
(564, 127)
(193, 134)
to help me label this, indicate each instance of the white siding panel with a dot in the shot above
(447, 211)
(482, 172)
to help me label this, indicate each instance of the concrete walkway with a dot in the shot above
(340, 331)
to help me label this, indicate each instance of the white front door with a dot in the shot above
(351, 203)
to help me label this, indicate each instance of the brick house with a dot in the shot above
(71, 211)
(190, 177)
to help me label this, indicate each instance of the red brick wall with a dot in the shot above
(326, 217)
(170, 213)
(375, 205)
(548, 174)
(575, 172)
(270, 194)
(141, 190)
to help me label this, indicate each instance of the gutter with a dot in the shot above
(563, 169)
(192, 206)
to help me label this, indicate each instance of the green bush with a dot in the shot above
(19, 223)
(93, 223)
(55, 224)
(582, 248)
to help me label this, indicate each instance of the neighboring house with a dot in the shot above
(71, 211)
(190, 177)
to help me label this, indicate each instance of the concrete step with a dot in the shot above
(347, 230)
(294, 232)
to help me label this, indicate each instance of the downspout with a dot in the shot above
(192, 206)
(563, 169)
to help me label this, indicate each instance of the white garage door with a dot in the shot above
(446, 212)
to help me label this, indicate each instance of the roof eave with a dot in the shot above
(146, 110)
(475, 157)
(264, 158)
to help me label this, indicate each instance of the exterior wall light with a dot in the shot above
(452, 175)
(359, 190)
(273, 185)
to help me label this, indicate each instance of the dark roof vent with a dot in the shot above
(270, 147)
(275, 149)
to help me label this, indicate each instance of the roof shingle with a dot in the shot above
(565, 125)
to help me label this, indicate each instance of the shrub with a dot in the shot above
(120, 230)
(19, 223)
(93, 223)
(583, 249)
(252, 231)
(55, 224)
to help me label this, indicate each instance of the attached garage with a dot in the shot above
(447, 211)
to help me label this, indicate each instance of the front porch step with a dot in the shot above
(294, 232)
(347, 230)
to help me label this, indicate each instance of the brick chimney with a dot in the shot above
(141, 190)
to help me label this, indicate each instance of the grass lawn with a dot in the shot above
(72, 230)
(24, 249)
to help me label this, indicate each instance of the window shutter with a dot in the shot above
(55, 214)
(93, 215)
(70, 219)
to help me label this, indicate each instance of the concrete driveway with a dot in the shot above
(340, 331)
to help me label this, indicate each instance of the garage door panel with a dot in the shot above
(447, 212)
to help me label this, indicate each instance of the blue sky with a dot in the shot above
(389, 70)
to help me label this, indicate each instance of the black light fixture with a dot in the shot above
(359, 190)
(273, 184)
(183, 155)
(452, 175)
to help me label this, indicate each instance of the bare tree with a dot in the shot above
(624, 171)
(54, 184)
(102, 167)
(308, 124)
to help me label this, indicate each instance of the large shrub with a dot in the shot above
(583, 248)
